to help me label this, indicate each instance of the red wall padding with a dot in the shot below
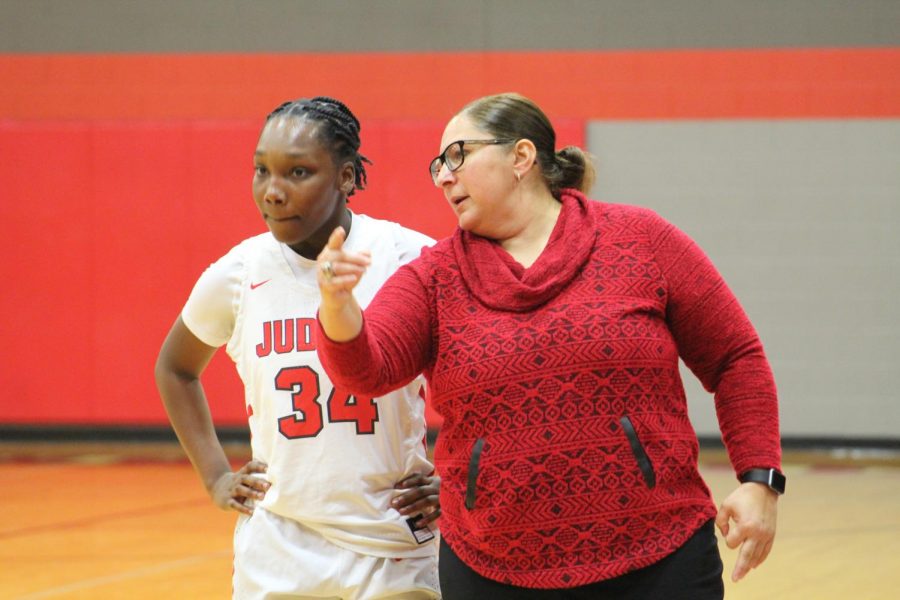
(106, 226)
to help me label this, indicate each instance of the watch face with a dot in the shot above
(778, 481)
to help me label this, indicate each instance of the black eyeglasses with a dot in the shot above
(454, 155)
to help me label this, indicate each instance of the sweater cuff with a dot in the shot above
(344, 361)
(323, 339)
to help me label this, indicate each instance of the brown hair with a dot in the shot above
(512, 115)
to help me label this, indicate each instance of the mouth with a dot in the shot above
(281, 219)
(457, 200)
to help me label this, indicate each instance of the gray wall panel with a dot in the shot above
(426, 25)
(803, 220)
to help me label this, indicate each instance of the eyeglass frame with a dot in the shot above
(442, 157)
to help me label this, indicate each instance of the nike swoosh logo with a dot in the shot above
(253, 286)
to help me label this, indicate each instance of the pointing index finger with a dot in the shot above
(336, 239)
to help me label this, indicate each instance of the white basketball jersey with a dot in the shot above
(333, 458)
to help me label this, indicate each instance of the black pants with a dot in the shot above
(693, 572)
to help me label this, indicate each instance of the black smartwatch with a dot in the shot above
(773, 478)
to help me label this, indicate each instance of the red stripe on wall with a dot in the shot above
(810, 83)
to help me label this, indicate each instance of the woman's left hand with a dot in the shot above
(421, 497)
(753, 508)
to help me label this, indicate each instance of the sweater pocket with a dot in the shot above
(472, 479)
(639, 454)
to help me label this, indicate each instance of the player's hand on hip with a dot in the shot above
(747, 518)
(340, 270)
(422, 497)
(241, 489)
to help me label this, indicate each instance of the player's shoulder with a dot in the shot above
(263, 243)
(383, 232)
(390, 229)
(244, 254)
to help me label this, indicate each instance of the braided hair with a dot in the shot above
(338, 131)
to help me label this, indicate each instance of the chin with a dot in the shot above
(465, 222)
(277, 232)
(286, 236)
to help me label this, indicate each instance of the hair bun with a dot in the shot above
(577, 168)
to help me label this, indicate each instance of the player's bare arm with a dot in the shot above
(179, 365)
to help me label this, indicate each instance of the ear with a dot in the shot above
(347, 178)
(524, 156)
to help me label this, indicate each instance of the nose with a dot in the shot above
(274, 192)
(444, 176)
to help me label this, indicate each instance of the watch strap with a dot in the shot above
(773, 478)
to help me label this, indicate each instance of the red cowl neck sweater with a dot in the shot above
(566, 453)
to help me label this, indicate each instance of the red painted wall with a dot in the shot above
(123, 176)
(107, 224)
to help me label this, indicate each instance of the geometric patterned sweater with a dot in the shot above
(566, 453)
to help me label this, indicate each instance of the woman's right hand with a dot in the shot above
(339, 270)
(240, 490)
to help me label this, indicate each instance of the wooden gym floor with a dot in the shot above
(104, 520)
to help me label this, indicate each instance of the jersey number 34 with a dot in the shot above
(306, 421)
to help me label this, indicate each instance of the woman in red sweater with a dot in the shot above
(549, 328)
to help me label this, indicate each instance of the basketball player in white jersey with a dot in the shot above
(323, 511)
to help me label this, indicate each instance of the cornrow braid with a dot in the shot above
(339, 130)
